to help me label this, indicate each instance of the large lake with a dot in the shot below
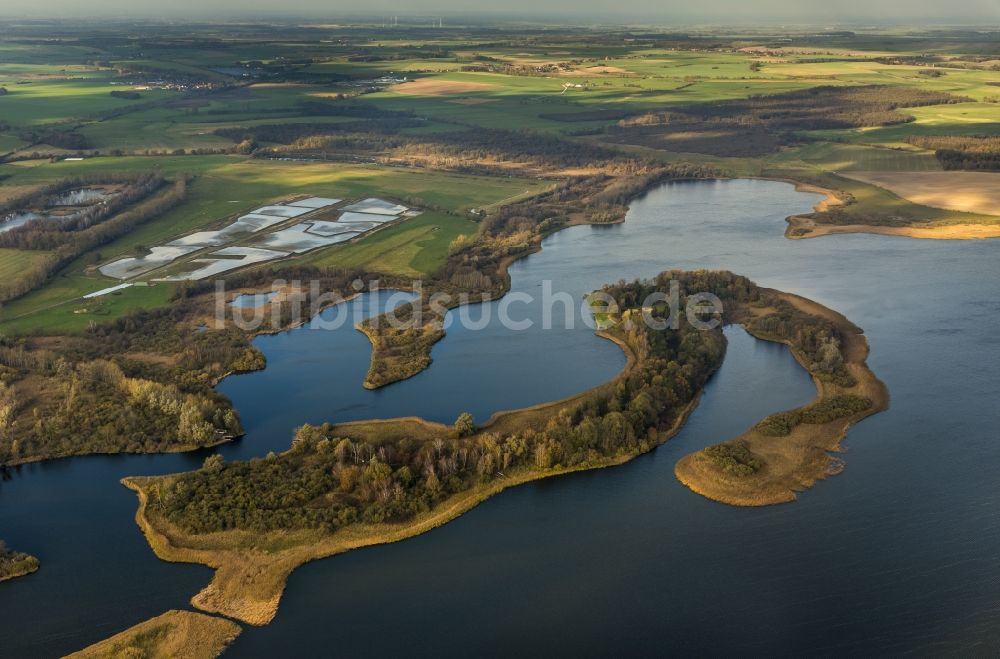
(900, 553)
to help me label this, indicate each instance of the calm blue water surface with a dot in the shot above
(900, 553)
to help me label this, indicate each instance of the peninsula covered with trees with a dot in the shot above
(344, 486)
(144, 136)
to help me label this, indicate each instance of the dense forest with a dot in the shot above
(53, 406)
(82, 236)
(824, 107)
(817, 341)
(470, 150)
(141, 383)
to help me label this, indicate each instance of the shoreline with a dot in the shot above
(171, 634)
(252, 569)
(795, 462)
(237, 569)
(248, 583)
(26, 573)
(803, 227)
(240, 569)
(798, 223)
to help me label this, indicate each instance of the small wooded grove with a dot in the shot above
(69, 239)
(326, 481)
(828, 409)
(52, 406)
(14, 563)
(969, 152)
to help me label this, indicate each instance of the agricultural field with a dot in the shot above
(13, 261)
(194, 108)
(955, 119)
(414, 249)
(833, 156)
(143, 163)
(969, 192)
(226, 187)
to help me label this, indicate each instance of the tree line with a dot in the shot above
(328, 482)
(70, 245)
(52, 233)
(968, 152)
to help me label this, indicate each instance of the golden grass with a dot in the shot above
(598, 71)
(803, 227)
(436, 87)
(969, 192)
(797, 461)
(173, 634)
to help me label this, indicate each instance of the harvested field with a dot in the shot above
(598, 71)
(435, 87)
(971, 192)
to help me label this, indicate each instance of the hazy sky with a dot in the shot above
(906, 12)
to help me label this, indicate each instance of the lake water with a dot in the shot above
(15, 220)
(81, 197)
(900, 553)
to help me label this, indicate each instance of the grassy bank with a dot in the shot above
(173, 634)
(14, 564)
